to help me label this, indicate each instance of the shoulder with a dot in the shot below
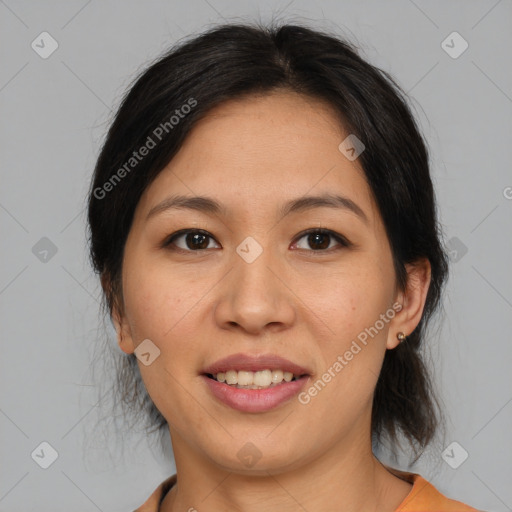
(424, 497)
(152, 504)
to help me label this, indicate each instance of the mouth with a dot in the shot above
(254, 384)
(262, 379)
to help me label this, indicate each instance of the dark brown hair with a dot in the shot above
(233, 61)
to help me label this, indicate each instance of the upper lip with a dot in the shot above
(254, 363)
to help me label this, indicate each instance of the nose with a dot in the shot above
(254, 297)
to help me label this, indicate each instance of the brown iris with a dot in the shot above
(319, 240)
(196, 241)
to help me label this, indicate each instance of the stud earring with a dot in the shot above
(401, 336)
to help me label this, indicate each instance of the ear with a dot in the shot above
(118, 317)
(412, 301)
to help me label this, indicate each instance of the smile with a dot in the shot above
(255, 400)
(263, 379)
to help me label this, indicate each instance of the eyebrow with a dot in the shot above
(209, 205)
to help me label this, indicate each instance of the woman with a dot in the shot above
(264, 224)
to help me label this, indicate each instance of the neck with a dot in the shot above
(348, 478)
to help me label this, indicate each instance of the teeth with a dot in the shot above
(254, 380)
(245, 379)
(231, 377)
(262, 378)
(277, 376)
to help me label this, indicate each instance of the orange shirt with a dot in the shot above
(423, 497)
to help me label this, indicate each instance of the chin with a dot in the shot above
(256, 458)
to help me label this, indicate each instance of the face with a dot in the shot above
(260, 271)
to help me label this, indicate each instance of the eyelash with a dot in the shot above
(169, 241)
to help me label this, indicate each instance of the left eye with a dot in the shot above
(321, 240)
(193, 240)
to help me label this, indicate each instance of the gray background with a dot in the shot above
(54, 115)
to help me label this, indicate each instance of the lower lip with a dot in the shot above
(255, 400)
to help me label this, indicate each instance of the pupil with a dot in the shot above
(315, 240)
(194, 241)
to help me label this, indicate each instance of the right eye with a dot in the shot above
(189, 240)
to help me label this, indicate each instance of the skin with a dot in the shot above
(295, 300)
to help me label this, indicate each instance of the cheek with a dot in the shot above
(158, 301)
(353, 300)
(353, 351)
(167, 308)
(163, 308)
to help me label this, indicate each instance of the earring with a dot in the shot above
(401, 336)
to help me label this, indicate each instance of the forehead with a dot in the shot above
(262, 151)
